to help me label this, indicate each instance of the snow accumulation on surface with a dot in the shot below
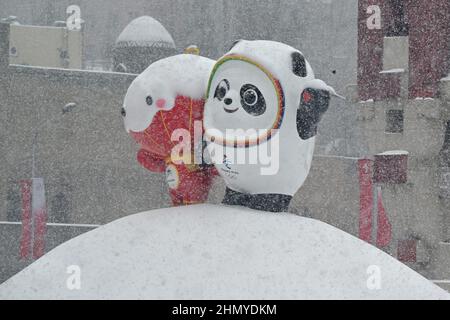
(274, 56)
(145, 31)
(395, 153)
(183, 74)
(367, 101)
(268, 52)
(72, 71)
(392, 71)
(424, 98)
(216, 252)
(321, 85)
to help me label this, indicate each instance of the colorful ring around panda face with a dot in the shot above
(267, 135)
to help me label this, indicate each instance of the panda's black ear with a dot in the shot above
(299, 65)
(235, 44)
(314, 104)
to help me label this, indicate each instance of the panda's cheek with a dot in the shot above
(169, 105)
(217, 108)
(161, 104)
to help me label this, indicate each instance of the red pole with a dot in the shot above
(25, 243)
(366, 199)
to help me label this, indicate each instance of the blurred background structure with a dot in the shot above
(142, 42)
(390, 58)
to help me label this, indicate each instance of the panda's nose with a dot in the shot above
(228, 101)
(123, 112)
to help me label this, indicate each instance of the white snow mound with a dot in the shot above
(215, 252)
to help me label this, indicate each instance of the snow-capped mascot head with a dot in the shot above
(168, 95)
(167, 98)
(269, 88)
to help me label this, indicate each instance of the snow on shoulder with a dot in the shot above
(216, 252)
(275, 56)
(185, 74)
(145, 32)
(166, 79)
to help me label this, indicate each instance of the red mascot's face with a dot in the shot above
(146, 100)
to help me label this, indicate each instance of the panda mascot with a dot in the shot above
(263, 95)
(168, 96)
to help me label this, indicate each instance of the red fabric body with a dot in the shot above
(366, 199)
(25, 243)
(193, 187)
(194, 181)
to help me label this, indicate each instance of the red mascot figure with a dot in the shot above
(165, 98)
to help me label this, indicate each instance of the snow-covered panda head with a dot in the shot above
(248, 87)
(157, 88)
(253, 86)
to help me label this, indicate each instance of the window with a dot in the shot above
(394, 121)
(399, 23)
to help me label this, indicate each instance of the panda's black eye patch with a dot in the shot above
(149, 100)
(222, 89)
(252, 100)
(299, 65)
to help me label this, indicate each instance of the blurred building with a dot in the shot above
(402, 80)
(45, 46)
(396, 195)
